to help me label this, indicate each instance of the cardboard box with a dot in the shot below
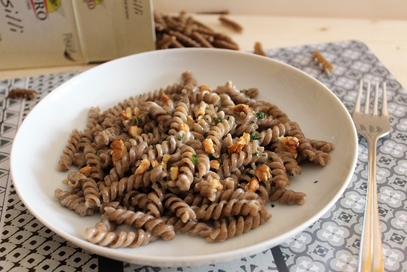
(39, 33)
(110, 29)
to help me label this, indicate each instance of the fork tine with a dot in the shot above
(357, 104)
(367, 101)
(384, 102)
(376, 99)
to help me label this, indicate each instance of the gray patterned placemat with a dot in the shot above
(330, 244)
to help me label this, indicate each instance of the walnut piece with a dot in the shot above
(241, 108)
(166, 158)
(215, 183)
(165, 98)
(208, 146)
(263, 173)
(204, 88)
(86, 170)
(240, 143)
(126, 114)
(135, 131)
(184, 127)
(252, 186)
(143, 167)
(214, 164)
(154, 163)
(190, 120)
(290, 144)
(119, 150)
(136, 111)
(174, 171)
(200, 111)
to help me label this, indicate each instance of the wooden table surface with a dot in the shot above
(387, 39)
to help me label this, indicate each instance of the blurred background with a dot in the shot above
(73, 35)
(373, 9)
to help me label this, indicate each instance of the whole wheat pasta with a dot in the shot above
(184, 159)
(183, 30)
(73, 202)
(229, 227)
(322, 62)
(287, 196)
(140, 220)
(258, 49)
(22, 94)
(104, 236)
(230, 23)
(68, 155)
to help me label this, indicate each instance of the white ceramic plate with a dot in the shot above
(44, 133)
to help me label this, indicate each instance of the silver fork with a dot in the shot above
(372, 126)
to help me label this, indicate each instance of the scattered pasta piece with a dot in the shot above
(258, 49)
(230, 23)
(224, 12)
(322, 62)
(22, 94)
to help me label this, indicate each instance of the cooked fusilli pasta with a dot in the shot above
(187, 159)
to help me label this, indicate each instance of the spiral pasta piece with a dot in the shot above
(106, 136)
(186, 169)
(237, 193)
(189, 81)
(204, 94)
(91, 193)
(157, 226)
(205, 189)
(230, 227)
(110, 239)
(270, 135)
(227, 230)
(193, 199)
(75, 180)
(73, 202)
(278, 170)
(168, 146)
(290, 163)
(247, 156)
(93, 116)
(192, 227)
(217, 132)
(156, 112)
(150, 137)
(68, 154)
(155, 205)
(227, 208)
(123, 165)
(182, 210)
(322, 145)
(135, 200)
(94, 162)
(286, 196)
